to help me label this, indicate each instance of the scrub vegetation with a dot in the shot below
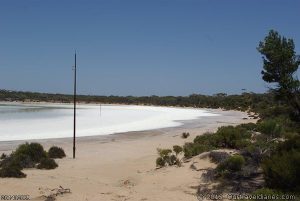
(29, 155)
(271, 147)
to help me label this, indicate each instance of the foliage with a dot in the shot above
(218, 156)
(167, 158)
(160, 162)
(248, 126)
(226, 137)
(245, 101)
(194, 149)
(3, 156)
(11, 171)
(282, 169)
(47, 163)
(185, 135)
(232, 164)
(177, 149)
(232, 137)
(27, 156)
(56, 152)
(23, 160)
(270, 128)
(253, 154)
(34, 150)
(164, 152)
(280, 65)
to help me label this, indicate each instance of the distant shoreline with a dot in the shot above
(182, 121)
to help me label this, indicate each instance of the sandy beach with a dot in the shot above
(121, 166)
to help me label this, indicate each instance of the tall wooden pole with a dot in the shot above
(74, 135)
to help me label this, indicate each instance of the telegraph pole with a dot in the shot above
(74, 128)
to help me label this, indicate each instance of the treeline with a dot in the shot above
(243, 102)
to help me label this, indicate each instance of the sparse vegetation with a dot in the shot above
(47, 163)
(177, 149)
(56, 152)
(270, 128)
(185, 135)
(34, 151)
(3, 156)
(218, 156)
(11, 171)
(231, 164)
(166, 157)
(28, 155)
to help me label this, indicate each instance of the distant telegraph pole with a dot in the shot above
(74, 135)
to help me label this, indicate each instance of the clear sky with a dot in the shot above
(153, 47)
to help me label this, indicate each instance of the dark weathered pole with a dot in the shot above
(74, 136)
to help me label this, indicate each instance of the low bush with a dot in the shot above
(164, 152)
(185, 135)
(270, 128)
(34, 150)
(231, 164)
(47, 163)
(177, 149)
(3, 156)
(248, 126)
(167, 158)
(27, 156)
(282, 170)
(232, 137)
(22, 160)
(218, 156)
(56, 152)
(194, 149)
(11, 171)
(160, 162)
(253, 154)
(207, 138)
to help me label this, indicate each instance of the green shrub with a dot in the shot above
(270, 128)
(164, 152)
(22, 160)
(3, 156)
(56, 152)
(232, 164)
(172, 160)
(282, 170)
(167, 158)
(218, 156)
(232, 137)
(47, 163)
(252, 153)
(207, 138)
(177, 149)
(34, 150)
(293, 143)
(185, 135)
(11, 171)
(160, 162)
(248, 126)
(194, 149)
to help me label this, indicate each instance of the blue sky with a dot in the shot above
(154, 47)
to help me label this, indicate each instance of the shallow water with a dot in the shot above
(42, 121)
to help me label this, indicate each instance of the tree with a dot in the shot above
(280, 65)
